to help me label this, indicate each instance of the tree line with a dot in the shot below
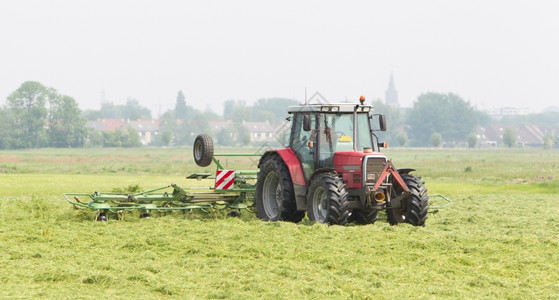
(181, 125)
(433, 119)
(437, 118)
(36, 116)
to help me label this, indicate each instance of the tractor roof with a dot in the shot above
(329, 108)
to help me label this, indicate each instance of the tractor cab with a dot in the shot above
(320, 131)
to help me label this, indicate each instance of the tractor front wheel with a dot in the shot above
(327, 200)
(413, 209)
(275, 196)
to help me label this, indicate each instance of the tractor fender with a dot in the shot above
(296, 172)
(292, 163)
(405, 170)
(320, 171)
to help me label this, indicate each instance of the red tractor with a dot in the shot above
(333, 169)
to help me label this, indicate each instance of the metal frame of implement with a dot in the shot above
(172, 197)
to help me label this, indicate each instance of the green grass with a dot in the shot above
(499, 239)
(146, 160)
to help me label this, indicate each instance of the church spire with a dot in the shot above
(391, 95)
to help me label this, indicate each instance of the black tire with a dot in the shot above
(414, 207)
(203, 150)
(102, 217)
(364, 216)
(275, 196)
(327, 200)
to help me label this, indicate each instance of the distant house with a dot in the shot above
(258, 131)
(530, 135)
(105, 124)
(492, 136)
(147, 129)
(217, 126)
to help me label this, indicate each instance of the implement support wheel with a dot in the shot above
(203, 150)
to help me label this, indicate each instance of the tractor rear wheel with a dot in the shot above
(327, 200)
(364, 216)
(203, 150)
(275, 196)
(413, 208)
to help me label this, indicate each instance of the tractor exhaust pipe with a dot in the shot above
(355, 126)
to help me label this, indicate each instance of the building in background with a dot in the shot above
(391, 94)
(147, 128)
(526, 135)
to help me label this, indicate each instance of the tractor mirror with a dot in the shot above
(382, 122)
(306, 123)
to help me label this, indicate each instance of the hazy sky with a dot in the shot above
(492, 53)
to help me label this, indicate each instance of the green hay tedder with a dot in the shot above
(233, 190)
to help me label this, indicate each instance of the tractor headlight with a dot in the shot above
(371, 176)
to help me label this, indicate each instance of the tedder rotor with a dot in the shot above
(332, 170)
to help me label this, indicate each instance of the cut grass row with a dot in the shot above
(521, 165)
(487, 246)
(499, 239)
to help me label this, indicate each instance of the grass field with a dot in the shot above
(499, 239)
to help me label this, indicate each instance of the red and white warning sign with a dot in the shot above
(224, 179)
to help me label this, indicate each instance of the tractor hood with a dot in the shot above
(351, 166)
(348, 160)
